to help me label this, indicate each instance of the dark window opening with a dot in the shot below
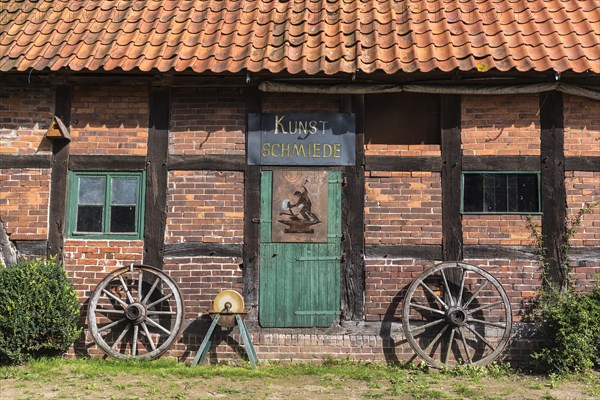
(402, 118)
(501, 193)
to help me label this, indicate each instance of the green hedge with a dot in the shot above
(39, 311)
(570, 325)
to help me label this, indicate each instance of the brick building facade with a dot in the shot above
(198, 211)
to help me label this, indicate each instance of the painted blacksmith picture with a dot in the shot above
(299, 206)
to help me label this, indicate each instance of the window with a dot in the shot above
(495, 192)
(106, 205)
(402, 119)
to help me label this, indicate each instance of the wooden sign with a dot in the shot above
(299, 206)
(320, 139)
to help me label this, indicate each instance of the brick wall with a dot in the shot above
(387, 281)
(25, 115)
(583, 191)
(582, 126)
(87, 262)
(200, 279)
(24, 197)
(403, 208)
(500, 125)
(503, 230)
(208, 121)
(109, 120)
(205, 206)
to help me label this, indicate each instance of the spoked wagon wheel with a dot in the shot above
(456, 313)
(135, 312)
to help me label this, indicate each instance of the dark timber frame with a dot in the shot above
(352, 270)
(452, 240)
(58, 181)
(251, 215)
(156, 176)
(553, 192)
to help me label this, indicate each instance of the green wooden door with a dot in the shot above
(300, 282)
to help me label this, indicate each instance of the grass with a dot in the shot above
(167, 378)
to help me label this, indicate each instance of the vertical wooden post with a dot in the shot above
(252, 213)
(452, 240)
(352, 283)
(156, 175)
(553, 192)
(58, 180)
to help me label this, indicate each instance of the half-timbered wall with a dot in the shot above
(204, 242)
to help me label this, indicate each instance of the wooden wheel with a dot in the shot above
(456, 313)
(135, 312)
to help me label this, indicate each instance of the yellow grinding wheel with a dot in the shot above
(228, 301)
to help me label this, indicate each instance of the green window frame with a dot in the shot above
(106, 205)
(500, 192)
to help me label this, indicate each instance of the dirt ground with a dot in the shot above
(297, 387)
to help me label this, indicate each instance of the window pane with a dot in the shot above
(91, 190)
(500, 192)
(122, 219)
(473, 193)
(89, 219)
(124, 191)
(528, 200)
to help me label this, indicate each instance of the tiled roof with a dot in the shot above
(309, 36)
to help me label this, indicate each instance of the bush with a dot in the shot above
(39, 311)
(571, 331)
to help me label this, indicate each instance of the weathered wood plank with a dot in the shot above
(8, 161)
(199, 249)
(587, 253)
(352, 281)
(553, 190)
(503, 252)
(588, 164)
(32, 248)
(207, 163)
(451, 175)
(251, 216)
(156, 176)
(107, 163)
(501, 163)
(422, 252)
(58, 181)
(396, 163)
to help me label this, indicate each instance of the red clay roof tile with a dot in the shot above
(297, 36)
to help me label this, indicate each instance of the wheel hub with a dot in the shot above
(456, 316)
(135, 313)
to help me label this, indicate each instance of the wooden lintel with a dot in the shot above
(422, 252)
(32, 248)
(207, 163)
(107, 163)
(396, 163)
(10, 161)
(198, 249)
(500, 252)
(501, 163)
(587, 164)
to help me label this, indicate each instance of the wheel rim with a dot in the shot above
(135, 312)
(456, 313)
